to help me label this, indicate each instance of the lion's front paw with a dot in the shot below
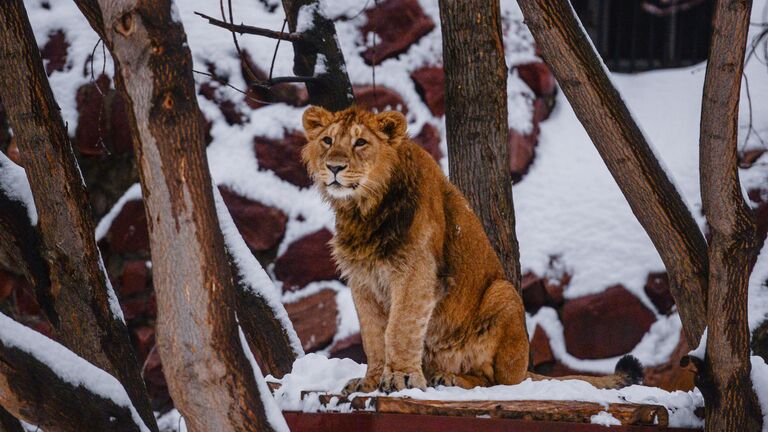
(395, 381)
(360, 385)
(442, 379)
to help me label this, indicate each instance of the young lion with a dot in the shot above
(434, 306)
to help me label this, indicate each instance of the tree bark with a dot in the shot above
(209, 377)
(332, 89)
(87, 322)
(730, 404)
(477, 122)
(266, 336)
(653, 198)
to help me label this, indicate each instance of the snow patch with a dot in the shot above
(604, 418)
(14, 183)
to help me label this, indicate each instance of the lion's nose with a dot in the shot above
(335, 169)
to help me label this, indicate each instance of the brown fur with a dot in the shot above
(430, 292)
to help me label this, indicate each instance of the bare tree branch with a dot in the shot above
(246, 29)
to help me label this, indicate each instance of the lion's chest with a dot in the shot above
(372, 275)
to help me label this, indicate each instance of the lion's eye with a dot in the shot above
(360, 142)
(327, 140)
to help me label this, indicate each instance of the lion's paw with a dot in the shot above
(360, 385)
(396, 381)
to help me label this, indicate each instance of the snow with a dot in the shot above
(251, 272)
(760, 385)
(13, 182)
(274, 415)
(701, 351)
(132, 193)
(66, 364)
(604, 418)
(314, 372)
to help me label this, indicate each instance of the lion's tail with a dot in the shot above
(628, 371)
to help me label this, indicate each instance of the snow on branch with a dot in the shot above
(45, 384)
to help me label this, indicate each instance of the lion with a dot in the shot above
(434, 305)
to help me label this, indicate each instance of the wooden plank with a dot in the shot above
(553, 411)
(378, 422)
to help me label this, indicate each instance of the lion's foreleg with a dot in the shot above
(373, 322)
(413, 298)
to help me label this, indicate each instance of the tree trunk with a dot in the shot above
(209, 377)
(476, 120)
(332, 89)
(648, 190)
(730, 405)
(88, 319)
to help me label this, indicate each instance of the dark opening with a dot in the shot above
(638, 35)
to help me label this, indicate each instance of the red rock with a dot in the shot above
(261, 226)
(542, 107)
(283, 157)
(538, 77)
(397, 25)
(155, 381)
(144, 307)
(13, 152)
(306, 260)
(534, 293)
(542, 291)
(758, 196)
(748, 158)
(671, 376)
(92, 131)
(521, 152)
(541, 352)
(430, 84)
(383, 99)
(314, 319)
(604, 325)
(26, 301)
(7, 284)
(55, 52)
(134, 278)
(429, 140)
(120, 129)
(657, 289)
(350, 347)
(231, 113)
(144, 340)
(128, 232)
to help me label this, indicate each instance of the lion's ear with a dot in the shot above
(393, 124)
(314, 119)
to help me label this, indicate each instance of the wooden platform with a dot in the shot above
(384, 413)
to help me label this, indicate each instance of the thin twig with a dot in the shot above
(251, 75)
(287, 79)
(277, 45)
(222, 82)
(246, 29)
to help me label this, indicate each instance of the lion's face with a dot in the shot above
(350, 154)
